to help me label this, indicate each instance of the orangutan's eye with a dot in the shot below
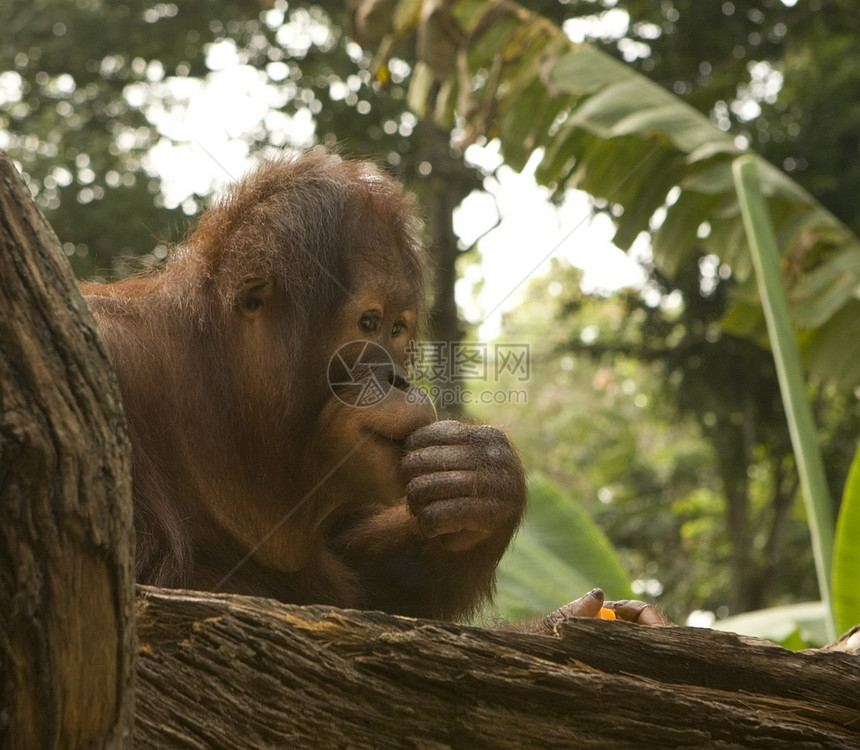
(369, 322)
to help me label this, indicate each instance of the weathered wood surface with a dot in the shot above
(213, 669)
(66, 539)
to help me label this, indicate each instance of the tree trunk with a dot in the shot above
(449, 182)
(66, 577)
(220, 671)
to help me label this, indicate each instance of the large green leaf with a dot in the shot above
(691, 153)
(798, 412)
(557, 556)
(829, 287)
(846, 556)
(794, 626)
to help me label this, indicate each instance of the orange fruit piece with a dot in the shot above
(605, 614)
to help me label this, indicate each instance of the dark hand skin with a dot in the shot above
(589, 605)
(464, 485)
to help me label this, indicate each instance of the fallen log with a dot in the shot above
(217, 671)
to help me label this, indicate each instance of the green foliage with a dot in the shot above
(668, 144)
(87, 90)
(846, 561)
(780, 76)
(80, 143)
(601, 431)
(646, 432)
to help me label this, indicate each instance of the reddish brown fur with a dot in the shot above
(249, 475)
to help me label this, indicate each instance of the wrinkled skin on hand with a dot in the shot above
(589, 605)
(465, 485)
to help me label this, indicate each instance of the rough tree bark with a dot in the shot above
(215, 668)
(66, 577)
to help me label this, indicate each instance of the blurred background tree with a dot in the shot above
(642, 407)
